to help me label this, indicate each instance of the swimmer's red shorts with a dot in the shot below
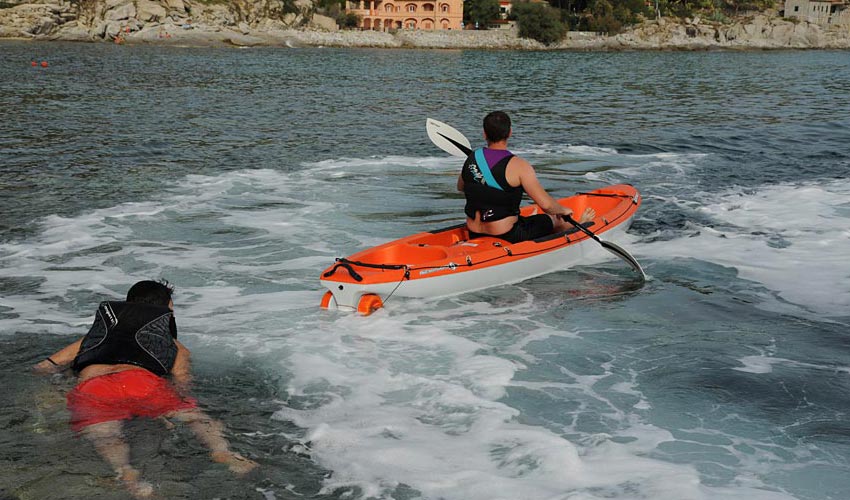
(121, 396)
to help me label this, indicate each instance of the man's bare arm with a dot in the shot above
(181, 372)
(59, 359)
(527, 177)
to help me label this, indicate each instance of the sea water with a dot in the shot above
(239, 175)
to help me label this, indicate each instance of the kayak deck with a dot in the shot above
(446, 261)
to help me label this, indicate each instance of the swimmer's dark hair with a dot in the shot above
(497, 126)
(151, 292)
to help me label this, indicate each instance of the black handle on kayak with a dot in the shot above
(347, 267)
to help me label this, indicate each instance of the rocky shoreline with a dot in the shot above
(254, 23)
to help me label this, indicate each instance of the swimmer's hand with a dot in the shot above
(47, 367)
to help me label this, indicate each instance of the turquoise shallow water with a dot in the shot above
(240, 174)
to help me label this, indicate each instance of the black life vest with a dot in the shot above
(494, 202)
(130, 333)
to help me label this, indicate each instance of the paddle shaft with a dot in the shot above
(460, 146)
(581, 228)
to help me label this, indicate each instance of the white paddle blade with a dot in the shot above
(626, 256)
(447, 138)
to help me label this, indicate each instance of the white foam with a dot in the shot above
(764, 364)
(758, 364)
(579, 151)
(792, 238)
(418, 397)
(380, 163)
(609, 166)
(439, 425)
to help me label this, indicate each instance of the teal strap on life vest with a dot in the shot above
(485, 169)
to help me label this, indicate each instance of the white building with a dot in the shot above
(823, 12)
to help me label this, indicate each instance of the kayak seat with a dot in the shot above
(424, 253)
(568, 232)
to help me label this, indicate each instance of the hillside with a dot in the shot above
(295, 23)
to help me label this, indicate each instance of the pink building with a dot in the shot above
(383, 15)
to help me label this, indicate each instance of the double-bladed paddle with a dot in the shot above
(455, 143)
(448, 138)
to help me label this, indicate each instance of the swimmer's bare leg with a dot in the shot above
(210, 432)
(110, 445)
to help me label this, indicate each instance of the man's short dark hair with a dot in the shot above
(497, 126)
(151, 292)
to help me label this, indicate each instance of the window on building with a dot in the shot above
(444, 8)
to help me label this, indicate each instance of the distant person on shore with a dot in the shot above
(122, 363)
(493, 180)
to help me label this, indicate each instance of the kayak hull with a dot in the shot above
(446, 262)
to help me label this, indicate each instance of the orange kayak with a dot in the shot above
(447, 262)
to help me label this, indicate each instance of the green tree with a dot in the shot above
(330, 4)
(609, 16)
(480, 11)
(633, 11)
(348, 20)
(539, 22)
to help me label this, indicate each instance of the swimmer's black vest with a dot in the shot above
(130, 333)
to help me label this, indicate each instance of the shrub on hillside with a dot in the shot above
(602, 18)
(632, 11)
(606, 23)
(539, 22)
(348, 20)
(329, 4)
(480, 12)
(336, 11)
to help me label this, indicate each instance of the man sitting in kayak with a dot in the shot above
(493, 180)
(122, 363)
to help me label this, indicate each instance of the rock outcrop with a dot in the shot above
(149, 20)
(269, 22)
(761, 31)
